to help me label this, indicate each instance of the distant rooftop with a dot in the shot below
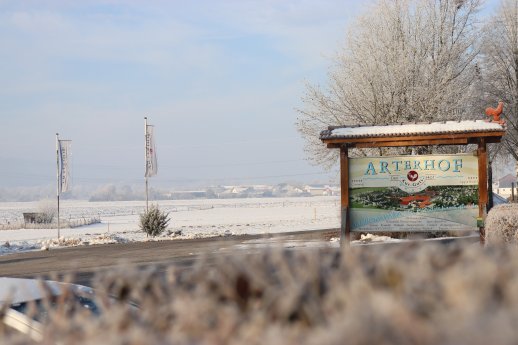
(507, 181)
(405, 129)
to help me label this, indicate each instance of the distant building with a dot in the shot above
(233, 192)
(287, 190)
(504, 185)
(254, 191)
(188, 194)
(318, 190)
(420, 201)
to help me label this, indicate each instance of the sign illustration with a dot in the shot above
(425, 193)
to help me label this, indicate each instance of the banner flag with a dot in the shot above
(64, 165)
(151, 160)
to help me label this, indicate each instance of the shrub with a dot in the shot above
(404, 294)
(154, 222)
(502, 224)
(47, 210)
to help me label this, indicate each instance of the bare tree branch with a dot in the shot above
(405, 60)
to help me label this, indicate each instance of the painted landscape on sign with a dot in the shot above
(432, 198)
(414, 193)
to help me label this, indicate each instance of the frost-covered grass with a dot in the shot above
(405, 294)
(189, 219)
(502, 224)
(64, 223)
(76, 209)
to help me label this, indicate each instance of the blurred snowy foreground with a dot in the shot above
(188, 219)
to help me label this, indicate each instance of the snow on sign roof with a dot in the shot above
(446, 127)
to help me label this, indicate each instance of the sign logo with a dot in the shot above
(412, 175)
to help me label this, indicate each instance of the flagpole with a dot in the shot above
(57, 175)
(146, 157)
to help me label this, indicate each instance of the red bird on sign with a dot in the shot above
(496, 112)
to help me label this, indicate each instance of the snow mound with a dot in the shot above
(370, 238)
(9, 248)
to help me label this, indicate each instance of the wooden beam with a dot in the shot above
(334, 146)
(402, 143)
(345, 228)
(489, 140)
(482, 186)
(420, 138)
(458, 141)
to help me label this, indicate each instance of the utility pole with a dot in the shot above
(146, 158)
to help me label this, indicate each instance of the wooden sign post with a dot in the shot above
(482, 187)
(345, 228)
(478, 132)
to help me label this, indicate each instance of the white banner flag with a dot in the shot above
(151, 161)
(64, 165)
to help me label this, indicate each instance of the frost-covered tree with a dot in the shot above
(153, 222)
(500, 67)
(47, 210)
(404, 60)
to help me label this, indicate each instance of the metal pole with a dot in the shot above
(57, 177)
(147, 196)
(146, 157)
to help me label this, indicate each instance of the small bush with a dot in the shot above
(154, 222)
(406, 294)
(502, 224)
(47, 210)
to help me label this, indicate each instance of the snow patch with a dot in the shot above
(370, 238)
(415, 129)
(190, 219)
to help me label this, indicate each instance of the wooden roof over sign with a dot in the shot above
(414, 134)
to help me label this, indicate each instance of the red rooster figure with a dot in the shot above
(496, 112)
(412, 175)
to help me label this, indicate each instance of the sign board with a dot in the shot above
(413, 193)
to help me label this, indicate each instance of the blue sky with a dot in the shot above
(220, 80)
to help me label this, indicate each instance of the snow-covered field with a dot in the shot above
(189, 219)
